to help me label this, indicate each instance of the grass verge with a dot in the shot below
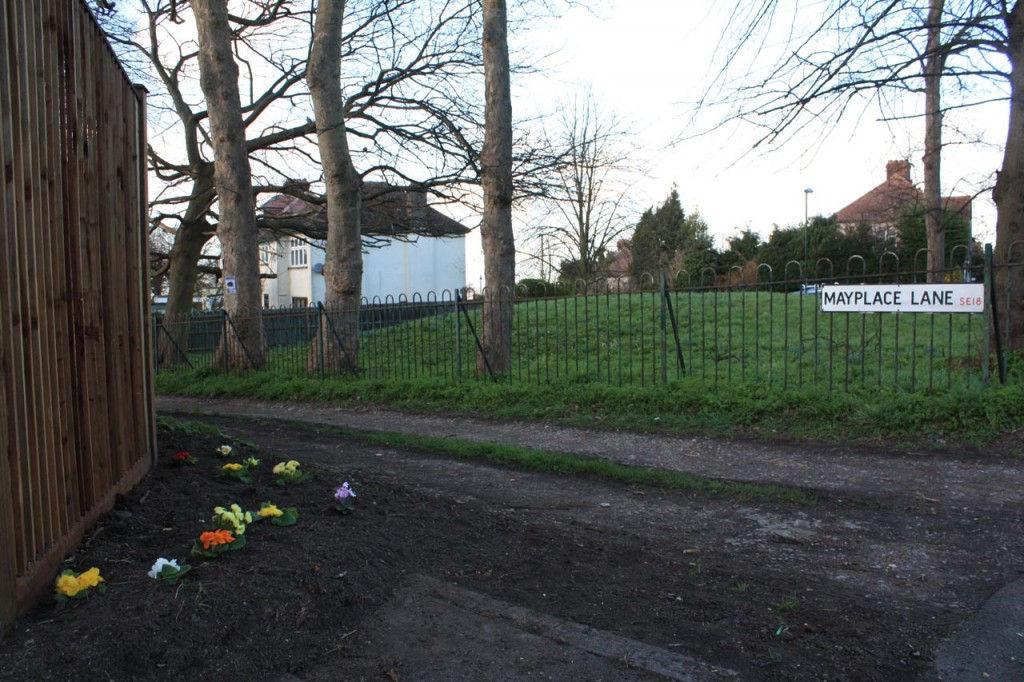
(974, 416)
(565, 464)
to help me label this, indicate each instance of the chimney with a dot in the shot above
(301, 185)
(897, 172)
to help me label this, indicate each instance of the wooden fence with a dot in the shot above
(76, 419)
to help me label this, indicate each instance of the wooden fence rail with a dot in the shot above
(76, 421)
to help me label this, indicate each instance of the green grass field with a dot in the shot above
(719, 337)
(762, 364)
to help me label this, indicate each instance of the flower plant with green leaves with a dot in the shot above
(167, 571)
(228, 534)
(71, 586)
(289, 472)
(213, 543)
(277, 516)
(240, 470)
(232, 518)
(183, 458)
(344, 498)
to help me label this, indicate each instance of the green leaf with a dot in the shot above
(170, 575)
(288, 517)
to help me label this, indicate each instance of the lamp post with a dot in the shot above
(807, 195)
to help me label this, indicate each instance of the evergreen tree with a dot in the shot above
(667, 240)
(912, 240)
(833, 252)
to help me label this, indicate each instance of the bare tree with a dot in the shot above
(343, 268)
(409, 110)
(584, 190)
(412, 111)
(233, 181)
(1009, 189)
(865, 50)
(496, 178)
(179, 155)
(934, 63)
(870, 50)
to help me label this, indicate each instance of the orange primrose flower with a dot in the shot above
(212, 538)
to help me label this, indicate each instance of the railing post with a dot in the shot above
(994, 300)
(320, 322)
(476, 340)
(989, 296)
(458, 337)
(224, 338)
(664, 334)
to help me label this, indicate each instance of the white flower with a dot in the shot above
(224, 450)
(159, 566)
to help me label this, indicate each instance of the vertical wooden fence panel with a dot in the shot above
(9, 436)
(76, 405)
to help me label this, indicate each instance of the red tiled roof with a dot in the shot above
(886, 203)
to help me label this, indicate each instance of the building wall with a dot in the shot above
(429, 264)
(419, 266)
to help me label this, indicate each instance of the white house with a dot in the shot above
(409, 248)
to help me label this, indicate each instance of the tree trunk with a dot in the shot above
(343, 265)
(183, 271)
(183, 268)
(934, 217)
(1009, 196)
(496, 176)
(232, 177)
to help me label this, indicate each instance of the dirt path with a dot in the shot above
(871, 583)
(943, 476)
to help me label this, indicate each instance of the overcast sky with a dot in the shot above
(650, 60)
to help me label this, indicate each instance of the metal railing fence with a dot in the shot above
(742, 326)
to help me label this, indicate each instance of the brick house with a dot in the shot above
(882, 206)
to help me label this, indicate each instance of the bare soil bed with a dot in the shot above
(859, 588)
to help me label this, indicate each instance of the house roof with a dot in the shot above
(885, 203)
(387, 211)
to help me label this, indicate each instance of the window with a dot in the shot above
(266, 254)
(300, 302)
(299, 254)
(266, 300)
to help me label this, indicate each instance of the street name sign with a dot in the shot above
(903, 298)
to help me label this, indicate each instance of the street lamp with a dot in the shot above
(807, 194)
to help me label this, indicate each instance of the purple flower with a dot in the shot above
(344, 492)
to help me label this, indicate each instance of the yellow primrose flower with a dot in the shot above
(270, 510)
(233, 517)
(279, 468)
(232, 466)
(68, 585)
(90, 578)
(292, 465)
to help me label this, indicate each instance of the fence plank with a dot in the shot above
(57, 141)
(27, 473)
(9, 542)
